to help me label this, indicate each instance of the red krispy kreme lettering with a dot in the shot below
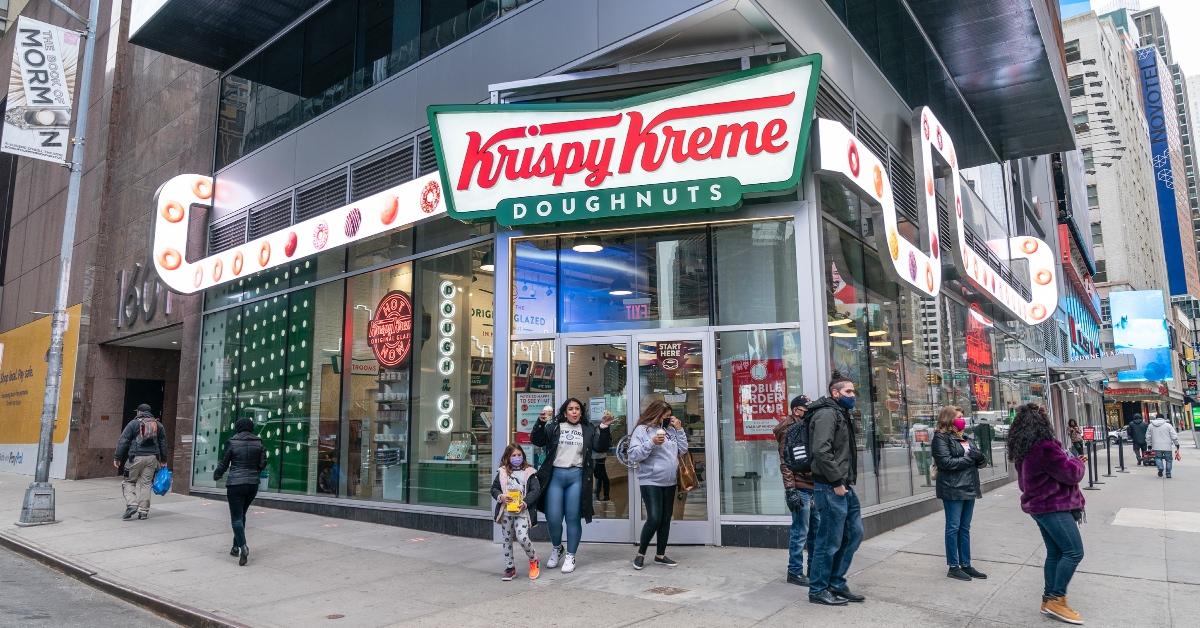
(643, 145)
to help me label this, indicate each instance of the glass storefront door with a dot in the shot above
(621, 375)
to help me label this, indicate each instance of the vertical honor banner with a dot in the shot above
(37, 119)
(759, 398)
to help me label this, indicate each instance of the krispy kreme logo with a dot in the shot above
(698, 147)
(390, 330)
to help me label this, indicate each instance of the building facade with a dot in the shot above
(150, 118)
(389, 352)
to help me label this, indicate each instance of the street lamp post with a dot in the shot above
(38, 507)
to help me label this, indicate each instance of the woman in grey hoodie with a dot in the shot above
(655, 446)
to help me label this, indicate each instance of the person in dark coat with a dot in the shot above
(141, 451)
(1137, 435)
(958, 464)
(566, 474)
(244, 459)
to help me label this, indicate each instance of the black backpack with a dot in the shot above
(795, 448)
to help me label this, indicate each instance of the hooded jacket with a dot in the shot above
(1161, 436)
(129, 446)
(595, 438)
(1049, 479)
(831, 440)
(957, 468)
(245, 458)
(1137, 431)
(791, 479)
(531, 491)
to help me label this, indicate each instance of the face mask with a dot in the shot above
(516, 461)
(960, 423)
(846, 403)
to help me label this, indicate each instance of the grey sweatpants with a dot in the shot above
(139, 475)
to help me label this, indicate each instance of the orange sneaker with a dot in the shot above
(534, 569)
(1057, 608)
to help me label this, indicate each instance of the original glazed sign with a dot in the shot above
(918, 265)
(697, 147)
(394, 208)
(390, 330)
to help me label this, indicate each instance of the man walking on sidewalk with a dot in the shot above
(1164, 440)
(142, 450)
(834, 471)
(1137, 435)
(799, 490)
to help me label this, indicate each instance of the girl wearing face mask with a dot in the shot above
(958, 463)
(567, 473)
(516, 489)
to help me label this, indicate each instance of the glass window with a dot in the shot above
(1075, 85)
(634, 280)
(379, 396)
(446, 231)
(1071, 48)
(268, 282)
(535, 286)
(381, 249)
(759, 372)
(1093, 196)
(216, 393)
(532, 380)
(755, 267)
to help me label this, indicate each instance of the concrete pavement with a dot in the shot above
(313, 571)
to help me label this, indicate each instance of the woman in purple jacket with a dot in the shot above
(1049, 481)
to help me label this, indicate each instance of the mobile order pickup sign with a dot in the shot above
(38, 117)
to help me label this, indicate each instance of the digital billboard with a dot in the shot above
(1139, 325)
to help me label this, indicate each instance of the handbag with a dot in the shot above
(685, 473)
(162, 481)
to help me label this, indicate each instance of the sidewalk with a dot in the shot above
(306, 570)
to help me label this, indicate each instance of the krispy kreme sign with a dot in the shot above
(698, 147)
(390, 330)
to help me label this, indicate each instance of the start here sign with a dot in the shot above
(759, 398)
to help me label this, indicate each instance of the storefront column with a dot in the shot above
(810, 284)
(502, 317)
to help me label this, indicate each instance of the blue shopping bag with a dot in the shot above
(162, 481)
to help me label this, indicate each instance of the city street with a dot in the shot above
(35, 595)
(1141, 568)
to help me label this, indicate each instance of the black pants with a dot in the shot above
(600, 473)
(240, 496)
(1137, 451)
(660, 502)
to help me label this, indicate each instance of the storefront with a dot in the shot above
(687, 244)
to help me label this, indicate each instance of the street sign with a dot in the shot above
(1089, 433)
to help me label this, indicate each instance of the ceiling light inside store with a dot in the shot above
(880, 343)
(843, 334)
(906, 341)
(588, 244)
(840, 321)
(877, 333)
(488, 263)
(620, 288)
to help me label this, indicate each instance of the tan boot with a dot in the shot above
(1057, 608)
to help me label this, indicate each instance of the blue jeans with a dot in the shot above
(839, 532)
(958, 531)
(1162, 458)
(803, 535)
(1064, 550)
(562, 499)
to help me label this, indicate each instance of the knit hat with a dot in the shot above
(800, 400)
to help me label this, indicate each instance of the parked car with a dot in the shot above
(1115, 435)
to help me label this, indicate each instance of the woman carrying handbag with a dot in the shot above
(655, 447)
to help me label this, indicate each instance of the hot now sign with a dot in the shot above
(699, 147)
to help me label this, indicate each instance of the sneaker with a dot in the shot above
(129, 512)
(1057, 608)
(233, 551)
(958, 574)
(568, 563)
(509, 574)
(142, 516)
(974, 573)
(1160, 473)
(639, 561)
(797, 579)
(555, 554)
(664, 561)
(534, 569)
(243, 556)
(1168, 476)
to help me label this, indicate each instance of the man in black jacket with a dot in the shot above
(1137, 435)
(142, 450)
(834, 471)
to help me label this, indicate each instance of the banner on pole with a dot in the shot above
(38, 116)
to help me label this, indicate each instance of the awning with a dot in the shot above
(1006, 61)
(213, 33)
(1096, 369)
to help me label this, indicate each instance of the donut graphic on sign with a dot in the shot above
(389, 333)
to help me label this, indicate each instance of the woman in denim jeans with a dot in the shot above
(1049, 480)
(958, 465)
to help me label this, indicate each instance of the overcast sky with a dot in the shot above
(1182, 18)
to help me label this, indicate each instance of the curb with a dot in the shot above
(175, 611)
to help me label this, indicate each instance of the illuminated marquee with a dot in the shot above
(843, 155)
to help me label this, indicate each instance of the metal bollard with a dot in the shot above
(1121, 453)
(1091, 474)
(1108, 456)
(1092, 461)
